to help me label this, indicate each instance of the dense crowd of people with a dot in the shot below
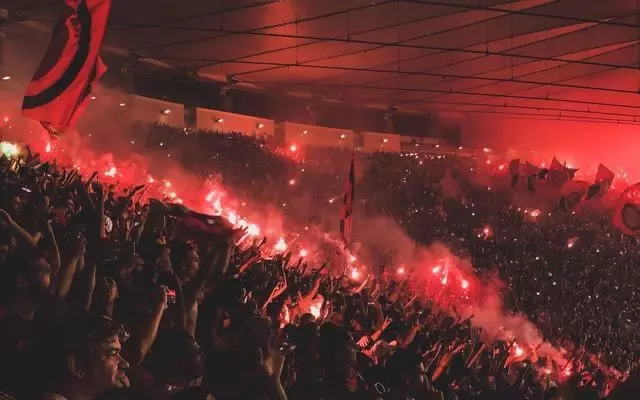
(106, 296)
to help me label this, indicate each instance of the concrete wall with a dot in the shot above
(214, 120)
(156, 111)
(374, 141)
(309, 135)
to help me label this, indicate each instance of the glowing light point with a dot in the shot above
(217, 205)
(303, 253)
(293, 148)
(8, 149)
(315, 311)
(401, 271)
(292, 182)
(436, 269)
(47, 149)
(281, 245)
(352, 259)
(253, 230)
(167, 184)
(355, 274)
(6, 78)
(465, 284)
(517, 350)
(167, 111)
(111, 172)
(232, 217)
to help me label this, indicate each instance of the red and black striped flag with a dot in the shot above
(59, 89)
(347, 203)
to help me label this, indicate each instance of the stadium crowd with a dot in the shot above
(143, 305)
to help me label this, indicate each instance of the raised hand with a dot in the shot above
(363, 342)
(274, 360)
(385, 323)
(111, 289)
(160, 298)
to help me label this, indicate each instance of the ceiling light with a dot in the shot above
(6, 78)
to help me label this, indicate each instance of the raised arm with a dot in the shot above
(22, 235)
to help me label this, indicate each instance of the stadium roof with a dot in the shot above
(541, 58)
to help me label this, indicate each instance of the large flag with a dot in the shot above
(347, 204)
(59, 89)
(626, 216)
(530, 169)
(514, 166)
(604, 179)
(523, 176)
(558, 174)
(572, 194)
(191, 224)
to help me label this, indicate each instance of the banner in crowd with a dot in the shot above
(604, 179)
(190, 223)
(523, 176)
(559, 174)
(347, 203)
(552, 188)
(62, 83)
(573, 192)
